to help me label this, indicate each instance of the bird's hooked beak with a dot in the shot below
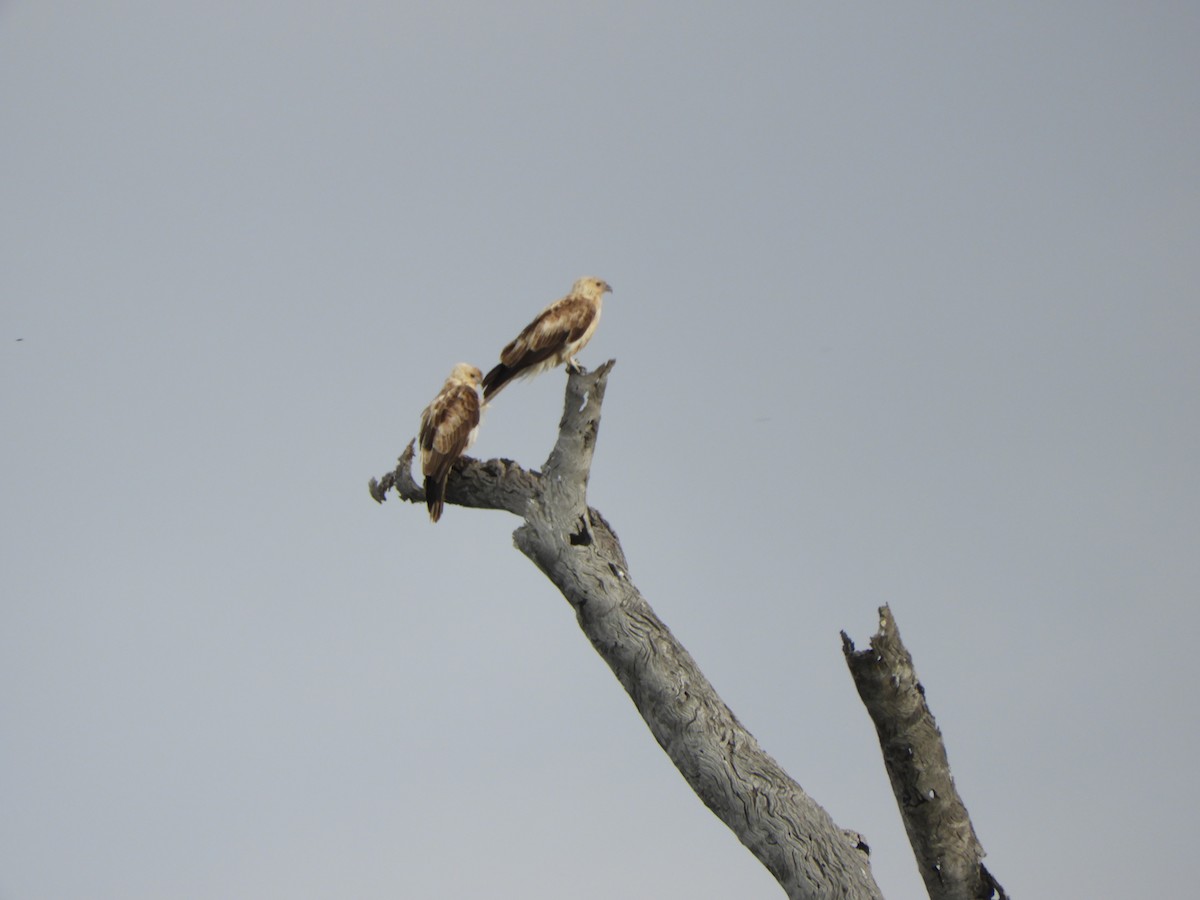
(606, 288)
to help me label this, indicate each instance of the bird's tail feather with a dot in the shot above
(435, 494)
(494, 380)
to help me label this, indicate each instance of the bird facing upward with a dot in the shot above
(558, 332)
(448, 427)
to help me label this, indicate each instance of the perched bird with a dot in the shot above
(560, 331)
(448, 427)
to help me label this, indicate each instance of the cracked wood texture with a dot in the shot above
(810, 856)
(948, 853)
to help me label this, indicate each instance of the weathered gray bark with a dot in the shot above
(948, 853)
(574, 546)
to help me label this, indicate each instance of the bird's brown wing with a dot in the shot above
(446, 428)
(445, 434)
(557, 326)
(550, 334)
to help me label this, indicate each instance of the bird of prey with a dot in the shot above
(448, 427)
(560, 331)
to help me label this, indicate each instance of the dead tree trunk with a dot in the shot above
(574, 546)
(948, 853)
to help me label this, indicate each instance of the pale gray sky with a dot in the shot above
(905, 311)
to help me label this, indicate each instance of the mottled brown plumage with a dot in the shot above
(560, 331)
(448, 427)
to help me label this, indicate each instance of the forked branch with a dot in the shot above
(578, 551)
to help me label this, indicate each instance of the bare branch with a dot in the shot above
(482, 484)
(579, 552)
(948, 853)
